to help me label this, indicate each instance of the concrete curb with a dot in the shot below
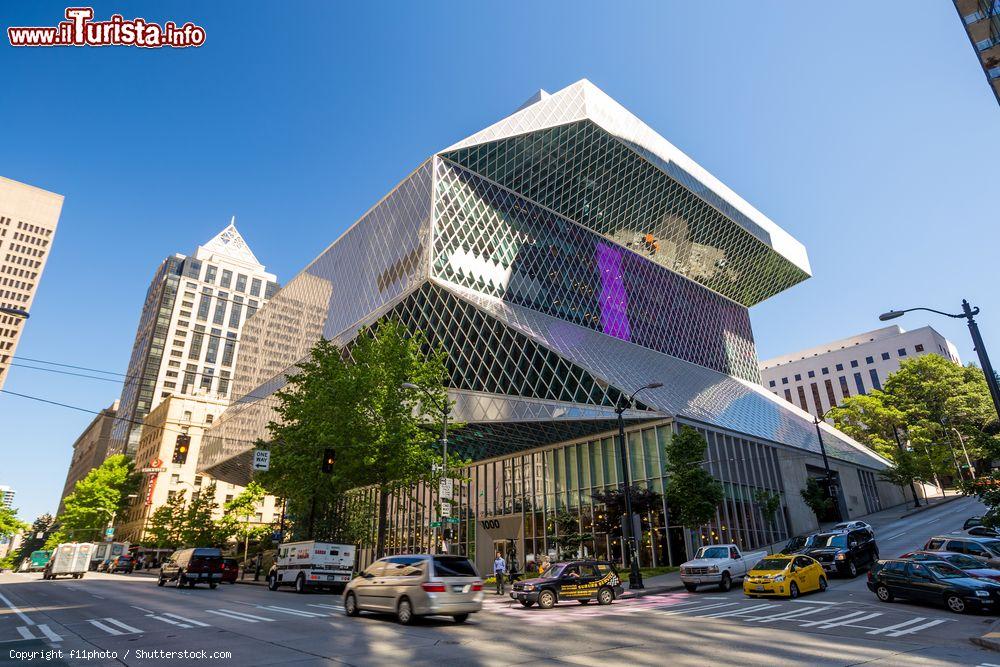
(925, 507)
(656, 590)
(990, 640)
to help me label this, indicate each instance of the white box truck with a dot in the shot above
(71, 559)
(312, 565)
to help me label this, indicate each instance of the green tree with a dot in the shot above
(32, 542)
(200, 528)
(166, 523)
(768, 503)
(238, 512)
(568, 536)
(95, 500)
(10, 525)
(693, 495)
(608, 520)
(816, 498)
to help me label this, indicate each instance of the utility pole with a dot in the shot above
(829, 473)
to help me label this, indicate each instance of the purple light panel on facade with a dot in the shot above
(613, 300)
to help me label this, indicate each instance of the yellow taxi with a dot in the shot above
(784, 576)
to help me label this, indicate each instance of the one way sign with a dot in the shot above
(261, 459)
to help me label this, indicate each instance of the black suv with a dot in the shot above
(580, 580)
(843, 552)
(936, 582)
(192, 566)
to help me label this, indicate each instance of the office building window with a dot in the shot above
(869, 360)
(771, 383)
(255, 287)
(829, 392)
(224, 383)
(875, 381)
(197, 480)
(798, 377)
(816, 398)
(901, 351)
(840, 367)
(859, 383)
(213, 346)
(229, 499)
(784, 380)
(241, 283)
(802, 398)
(812, 374)
(825, 371)
(189, 374)
(227, 278)
(788, 395)
(885, 356)
(843, 387)
(205, 303)
(854, 363)
(206, 379)
(194, 352)
(220, 308)
(919, 347)
(229, 351)
(210, 272)
(237, 310)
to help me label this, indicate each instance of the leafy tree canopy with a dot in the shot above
(95, 499)
(693, 495)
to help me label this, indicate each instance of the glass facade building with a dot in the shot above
(561, 258)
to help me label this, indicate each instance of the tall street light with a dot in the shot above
(634, 577)
(969, 313)
(445, 410)
(16, 312)
(829, 473)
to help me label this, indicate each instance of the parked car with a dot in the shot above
(417, 585)
(971, 566)
(978, 531)
(192, 566)
(785, 576)
(124, 563)
(230, 570)
(719, 565)
(845, 553)
(855, 525)
(580, 580)
(934, 582)
(985, 549)
(972, 521)
(796, 544)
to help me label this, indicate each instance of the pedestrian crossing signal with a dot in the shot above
(181, 448)
(328, 459)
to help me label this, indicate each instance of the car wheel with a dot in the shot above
(272, 583)
(351, 605)
(300, 584)
(852, 569)
(213, 585)
(793, 590)
(605, 596)
(461, 618)
(726, 582)
(526, 603)
(691, 588)
(191, 583)
(546, 599)
(160, 582)
(404, 612)
(956, 604)
(822, 584)
(883, 593)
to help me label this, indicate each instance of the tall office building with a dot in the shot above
(562, 259)
(189, 329)
(821, 377)
(28, 219)
(6, 496)
(89, 450)
(982, 23)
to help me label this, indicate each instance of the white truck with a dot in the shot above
(70, 559)
(312, 565)
(718, 565)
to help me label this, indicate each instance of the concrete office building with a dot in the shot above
(189, 328)
(562, 258)
(981, 19)
(821, 377)
(28, 220)
(180, 419)
(89, 450)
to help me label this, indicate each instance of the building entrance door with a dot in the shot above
(503, 534)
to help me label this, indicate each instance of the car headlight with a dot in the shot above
(684, 570)
(529, 587)
(983, 594)
(841, 557)
(778, 578)
(713, 569)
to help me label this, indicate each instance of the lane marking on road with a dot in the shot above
(187, 620)
(293, 612)
(738, 612)
(849, 621)
(107, 628)
(892, 537)
(852, 615)
(143, 609)
(238, 615)
(171, 621)
(917, 628)
(25, 632)
(124, 626)
(879, 631)
(52, 636)
(815, 602)
(326, 606)
(23, 616)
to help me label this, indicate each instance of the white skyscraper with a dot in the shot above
(6, 496)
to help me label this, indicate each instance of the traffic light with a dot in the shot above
(328, 459)
(181, 448)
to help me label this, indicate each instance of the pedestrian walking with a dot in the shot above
(499, 568)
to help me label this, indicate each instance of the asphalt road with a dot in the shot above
(122, 616)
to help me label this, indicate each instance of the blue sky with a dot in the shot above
(872, 140)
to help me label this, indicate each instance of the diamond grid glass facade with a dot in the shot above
(558, 268)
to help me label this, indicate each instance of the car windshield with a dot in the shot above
(821, 541)
(773, 564)
(945, 571)
(963, 561)
(993, 546)
(796, 543)
(554, 571)
(713, 552)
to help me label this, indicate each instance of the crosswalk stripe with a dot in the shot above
(107, 628)
(171, 621)
(327, 606)
(294, 612)
(917, 628)
(188, 620)
(737, 612)
(238, 615)
(797, 613)
(25, 632)
(809, 624)
(123, 626)
(671, 612)
(848, 621)
(52, 636)
(897, 626)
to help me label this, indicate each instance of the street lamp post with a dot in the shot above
(826, 466)
(969, 313)
(445, 410)
(634, 577)
(16, 312)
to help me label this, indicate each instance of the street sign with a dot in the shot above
(276, 536)
(156, 463)
(446, 487)
(451, 519)
(435, 524)
(445, 509)
(261, 459)
(150, 471)
(109, 532)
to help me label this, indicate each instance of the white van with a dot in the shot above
(312, 565)
(71, 559)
